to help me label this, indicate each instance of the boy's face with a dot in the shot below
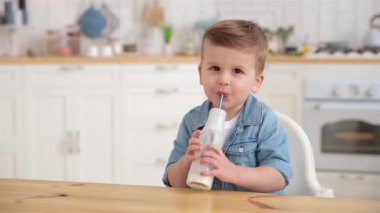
(231, 72)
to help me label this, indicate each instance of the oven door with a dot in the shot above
(344, 135)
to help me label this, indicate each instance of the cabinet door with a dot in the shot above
(11, 134)
(73, 125)
(47, 134)
(72, 136)
(282, 90)
(11, 125)
(97, 134)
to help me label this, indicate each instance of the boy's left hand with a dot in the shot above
(221, 167)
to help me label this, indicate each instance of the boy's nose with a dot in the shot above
(224, 79)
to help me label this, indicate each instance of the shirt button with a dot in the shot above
(241, 149)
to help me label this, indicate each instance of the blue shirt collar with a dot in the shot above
(252, 113)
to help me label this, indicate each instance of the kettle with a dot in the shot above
(373, 36)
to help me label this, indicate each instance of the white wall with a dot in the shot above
(320, 20)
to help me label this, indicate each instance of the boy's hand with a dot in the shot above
(195, 145)
(222, 168)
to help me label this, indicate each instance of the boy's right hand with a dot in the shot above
(195, 145)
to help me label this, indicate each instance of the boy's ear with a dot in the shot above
(259, 79)
(199, 72)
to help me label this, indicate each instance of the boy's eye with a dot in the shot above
(238, 71)
(214, 68)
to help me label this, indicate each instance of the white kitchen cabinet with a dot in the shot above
(282, 89)
(117, 123)
(155, 98)
(72, 122)
(11, 122)
(351, 185)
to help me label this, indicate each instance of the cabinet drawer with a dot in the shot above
(161, 78)
(146, 150)
(10, 76)
(72, 75)
(150, 137)
(339, 71)
(144, 170)
(282, 76)
(159, 106)
(353, 185)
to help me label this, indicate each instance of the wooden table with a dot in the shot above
(52, 196)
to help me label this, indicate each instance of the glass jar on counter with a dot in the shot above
(73, 39)
(53, 39)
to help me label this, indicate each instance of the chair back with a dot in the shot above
(304, 180)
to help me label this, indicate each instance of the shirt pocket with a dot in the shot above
(243, 153)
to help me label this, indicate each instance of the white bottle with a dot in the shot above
(212, 133)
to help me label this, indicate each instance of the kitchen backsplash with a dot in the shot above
(313, 20)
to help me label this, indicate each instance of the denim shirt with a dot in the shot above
(257, 140)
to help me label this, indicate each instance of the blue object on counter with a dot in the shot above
(112, 21)
(9, 13)
(24, 17)
(22, 6)
(92, 22)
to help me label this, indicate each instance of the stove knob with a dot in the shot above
(354, 89)
(316, 107)
(335, 92)
(370, 92)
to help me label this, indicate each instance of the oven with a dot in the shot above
(342, 120)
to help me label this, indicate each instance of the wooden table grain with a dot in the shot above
(54, 196)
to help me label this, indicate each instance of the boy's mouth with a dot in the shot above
(225, 95)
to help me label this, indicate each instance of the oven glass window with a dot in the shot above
(351, 136)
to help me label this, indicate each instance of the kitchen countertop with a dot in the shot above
(176, 59)
(54, 196)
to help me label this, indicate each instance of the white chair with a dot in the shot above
(304, 180)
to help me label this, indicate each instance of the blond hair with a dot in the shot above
(240, 34)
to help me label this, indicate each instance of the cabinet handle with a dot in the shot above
(166, 67)
(69, 142)
(317, 107)
(162, 91)
(160, 162)
(67, 68)
(161, 126)
(77, 142)
(73, 142)
(352, 177)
